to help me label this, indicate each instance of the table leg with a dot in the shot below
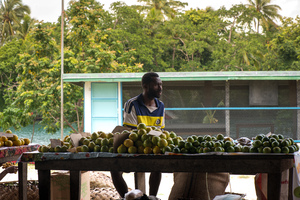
(44, 184)
(139, 181)
(75, 185)
(22, 169)
(274, 186)
(291, 171)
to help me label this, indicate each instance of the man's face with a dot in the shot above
(154, 89)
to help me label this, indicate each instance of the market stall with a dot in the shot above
(13, 153)
(237, 104)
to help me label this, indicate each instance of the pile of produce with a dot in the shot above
(274, 143)
(97, 142)
(140, 141)
(7, 165)
(12, 140)
(152, 140)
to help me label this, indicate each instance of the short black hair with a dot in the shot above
(147, 78)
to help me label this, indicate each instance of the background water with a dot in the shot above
(40, 135)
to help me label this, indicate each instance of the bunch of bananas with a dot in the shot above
(7, 165)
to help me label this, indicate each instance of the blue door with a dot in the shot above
(104, 105)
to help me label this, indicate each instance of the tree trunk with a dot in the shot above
(230, 33)
(173, 56)
(32, 130)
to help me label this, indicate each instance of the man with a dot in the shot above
(144, 108)
(11, 169)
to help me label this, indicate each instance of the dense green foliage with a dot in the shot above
(158, 36)
(12, 14)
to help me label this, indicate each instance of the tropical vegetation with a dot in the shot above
(155, 35)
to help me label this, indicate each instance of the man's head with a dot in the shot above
(152, 85)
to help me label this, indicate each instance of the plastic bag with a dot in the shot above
(133, 194)
(228, 197)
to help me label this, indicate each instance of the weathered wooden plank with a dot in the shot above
(213, 163)
(44, 184)
(22, 168)
(75, 184)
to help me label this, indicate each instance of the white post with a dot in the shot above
(62, 72)
(298, 111)
(87, 107)
(227, 104)
(120, 104)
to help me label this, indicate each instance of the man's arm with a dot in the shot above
(11, 169)
(130, 118)
(163, 122)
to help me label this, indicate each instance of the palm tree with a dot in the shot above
(25, 26)
(165, 8)
(267, 12)
(11, 14)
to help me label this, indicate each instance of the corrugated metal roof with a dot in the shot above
(185, 76)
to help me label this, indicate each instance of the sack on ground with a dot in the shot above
(194, 185)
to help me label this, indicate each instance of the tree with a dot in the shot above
(91, 43)
(162, 9)
(143, 35)
(192, 38)
(244, 50)
(236, 19)
(11, 14)
(8, 60)
(88, 49)
(267, 12)
(284, 49)
(26, 25)
(35, 90)
(156, 44)
(84, 18)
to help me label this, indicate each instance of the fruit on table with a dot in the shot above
(132, 150)
(8, 143)
(274, 143)
(17, 142)
(12, 140)
(128, 143)
(141, 126)
(97, 142)
(133, 136)
(7, 165)
(84, 148)
(141, 141)
(122, 149)
(148, 150)
(170, 142)
(297, 192)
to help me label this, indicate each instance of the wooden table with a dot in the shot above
(9, 154)
(235, 163)
(22, 174)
